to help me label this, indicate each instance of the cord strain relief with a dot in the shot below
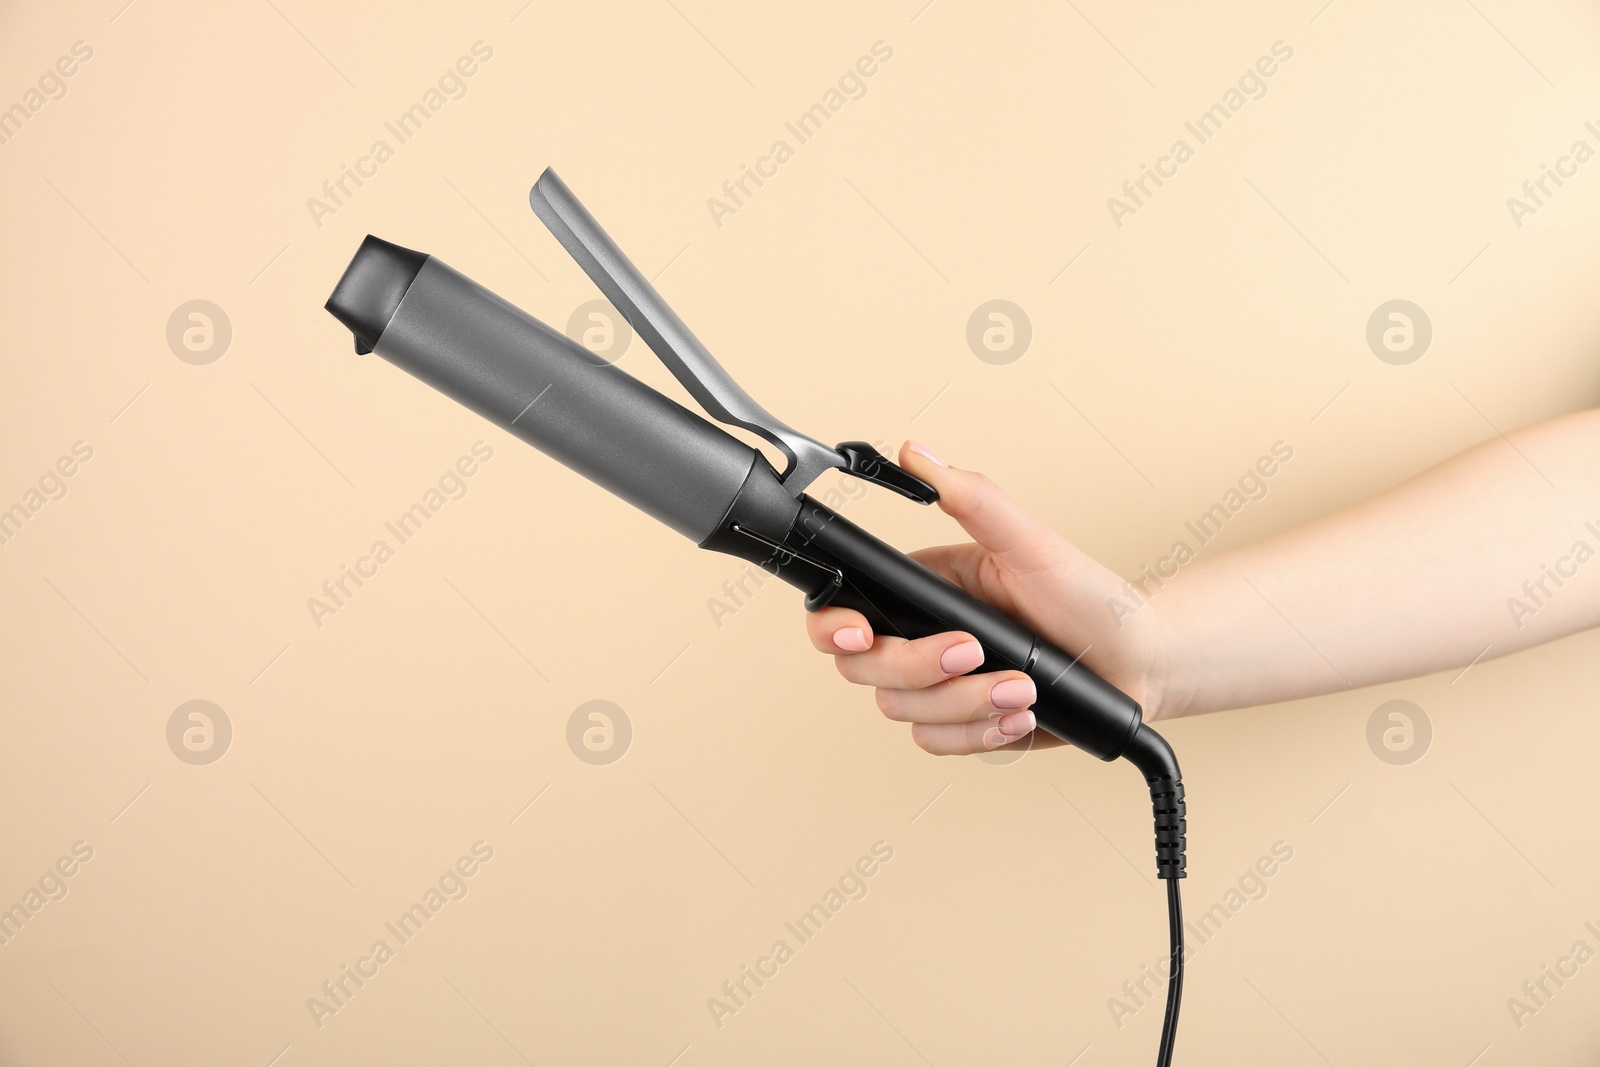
(1166, 798)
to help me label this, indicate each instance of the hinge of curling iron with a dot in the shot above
(832, 578)
(692, 364)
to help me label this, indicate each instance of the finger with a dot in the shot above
(994, 520)
(894, 663)
(839, 631)
(970, 698)
(963, 739)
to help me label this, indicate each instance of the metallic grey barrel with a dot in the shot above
(520, 374)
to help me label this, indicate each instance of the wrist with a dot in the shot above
(1169, 691)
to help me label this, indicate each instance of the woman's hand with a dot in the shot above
(1025, 569)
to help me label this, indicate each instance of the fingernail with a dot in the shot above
(851, 639)
(959, 659)
(1017, 724)
(994, 739)
(923, 450)
(1013, 693)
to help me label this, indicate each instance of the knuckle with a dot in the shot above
(983, 495)
(906, 671)
(906, 677)
(887, 702)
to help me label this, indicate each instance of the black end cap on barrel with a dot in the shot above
(366, 297)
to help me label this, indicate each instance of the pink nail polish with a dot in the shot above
(1017, 724)
(959, 659)
(923, 450)
(851, 639)
(1013, 693)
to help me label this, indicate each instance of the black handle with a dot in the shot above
(900, 596)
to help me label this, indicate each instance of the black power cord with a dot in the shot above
(1150, 752)
(1169, 1025)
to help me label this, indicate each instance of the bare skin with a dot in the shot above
(1487, 553)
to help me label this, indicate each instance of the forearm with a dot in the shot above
(1491, 551)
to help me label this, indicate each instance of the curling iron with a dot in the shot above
(724, 495)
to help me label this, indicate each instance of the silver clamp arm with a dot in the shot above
(691, 364)
(679, 349)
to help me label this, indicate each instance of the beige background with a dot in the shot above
(370, 753)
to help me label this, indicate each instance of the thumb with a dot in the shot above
(992, 518)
